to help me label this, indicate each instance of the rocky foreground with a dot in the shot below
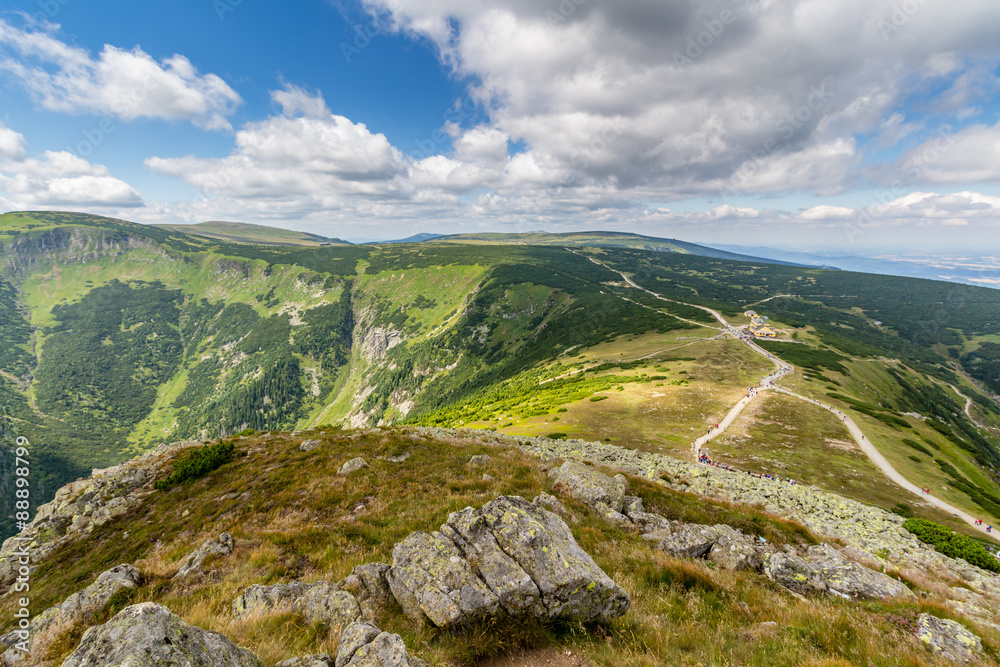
(510, 558)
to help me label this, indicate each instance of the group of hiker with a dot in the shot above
(989, 529)
(705, 460)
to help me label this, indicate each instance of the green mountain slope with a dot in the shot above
(242, 232)
(117, 337)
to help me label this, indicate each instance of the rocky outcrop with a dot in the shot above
(723, 545)
(592, 487)
(364, 645)
(510, 555)
(369, 586)
(80, 507)
(948, 639)
(223, 546)
(824, 570)
(309, 445)
(81, 607)
(378, 341)
(317, 602)
(149, 634)
(352, 466)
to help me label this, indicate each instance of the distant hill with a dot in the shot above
(416, 238)
(608, 240)
(242, 232)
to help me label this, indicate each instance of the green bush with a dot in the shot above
(952, 544)
(917, 446)
(197, 463)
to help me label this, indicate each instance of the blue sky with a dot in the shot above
(728, 121)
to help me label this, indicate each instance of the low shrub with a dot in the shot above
(197, 463)
(952, 544)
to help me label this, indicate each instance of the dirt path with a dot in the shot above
(784, 368)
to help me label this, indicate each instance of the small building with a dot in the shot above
(763, 331)
(751, 314)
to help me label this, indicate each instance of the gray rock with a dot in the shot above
(320, 602)
(648, 522)
(194, 562)
(511, 555)
(735, 551)
(517, 593)
(149, 634)
(824, 570)
(572, 585)
(948, 639)
(689, 541)
(322, 660)
(612, 516)
(480, 459)
(364, 645)
(590, 486)
(429, 577)
(551, 503)
(78, 608)
(309, 445)
(368, 585)
(352, 466)
(400, 458)
(632, 505)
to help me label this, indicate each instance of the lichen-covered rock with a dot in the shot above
(321, 660)
(572, 585)
(948, 639)
(551, 503)
(824, 570)
(78, 608)
(369, 586)
(590, 486)
(517, 593)
(735, 551)
(430, 577)
(480, 459)
(689, 541)
(321, 602)
(223, 546)
(353, 465)
(309, 445)
(150, 635)
(364, 645)
(510, 554)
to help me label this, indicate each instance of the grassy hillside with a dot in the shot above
(242, 232)
(294, 518)
(118, 336)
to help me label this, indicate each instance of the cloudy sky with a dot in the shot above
(793, 123)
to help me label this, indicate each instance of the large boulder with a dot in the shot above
(364, 645)
(735, 551)
(948, 639)
(320, 602)
(590, 486)
(689, 541)
(824, 570)
(511, 555)
(223, 546)
(81, 607)
(429, 577)
(368, 584)
(149, 634)
(353, 465)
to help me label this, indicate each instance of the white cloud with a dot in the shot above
(121, 83)
(57, 179)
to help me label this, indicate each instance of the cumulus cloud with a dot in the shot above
(57, 179)
(127, 84)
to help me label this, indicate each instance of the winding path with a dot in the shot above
(767, 384)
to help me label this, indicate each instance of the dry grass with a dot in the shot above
(302, 521)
